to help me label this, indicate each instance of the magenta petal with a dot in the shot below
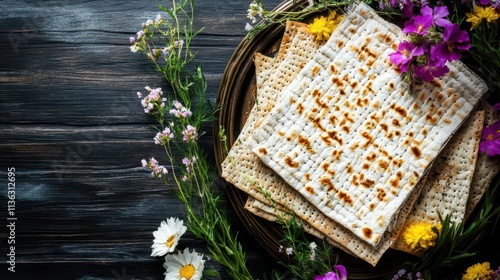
(440, 14)
(342, 271)
(459, 38)
(426, 10)
(447, 52)
(496, 107)
(491, 148)
(407, 9)
(491, 131)
(404, 55)
(418, 25)
(428, 72)
(494, 149)
(331, 276)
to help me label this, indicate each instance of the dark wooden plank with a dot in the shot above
(72, 126)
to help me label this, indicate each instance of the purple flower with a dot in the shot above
(329, 276)
(490, 142)
(439, 15)
(434, 68)
(418, 25)
(340, 269)
(405, 54)
(454, 41)
(496, 107)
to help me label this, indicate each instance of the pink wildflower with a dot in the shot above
(190, 134)
(156, 169)
(140, 34)
(154, 101)
(180, 111)
(162, 138)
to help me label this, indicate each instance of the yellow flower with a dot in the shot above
(479, 271)
(323, 27)
(420, 235)
(482, 13)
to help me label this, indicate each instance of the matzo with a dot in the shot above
(486, 168)
(294, 43)
(258, 180)
(350, 138)
(299, 48)
(273, 214)
(447, 187)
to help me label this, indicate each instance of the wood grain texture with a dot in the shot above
(73, 128)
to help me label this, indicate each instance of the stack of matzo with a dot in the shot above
(336, 137)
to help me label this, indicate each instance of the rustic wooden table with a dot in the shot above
(74, 130)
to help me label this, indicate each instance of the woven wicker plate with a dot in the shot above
(236, 97)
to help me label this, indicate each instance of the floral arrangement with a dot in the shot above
(436, 34)
(433, 41)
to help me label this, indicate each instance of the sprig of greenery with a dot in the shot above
(194, 176)
(456, 242)
(307, 260)
(484, 55)
(300, 10)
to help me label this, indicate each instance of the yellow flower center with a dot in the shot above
(187, 271)
(406, 53)
(170, 241)
(420, 26)
(490, 137)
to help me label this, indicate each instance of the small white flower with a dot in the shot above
(158, 18)
(167, 236)
(149, 22)
(313, 245)
(248, 27)
(184, 266)
(133, 48)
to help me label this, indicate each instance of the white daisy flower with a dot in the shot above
(167, 236)
(184, 266)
